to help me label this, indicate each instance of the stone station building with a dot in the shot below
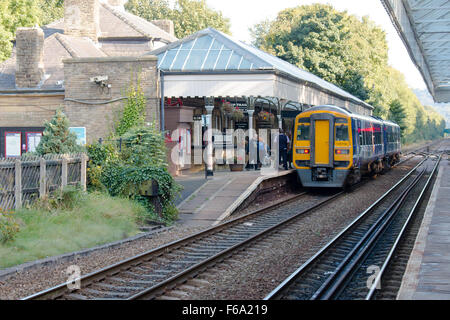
(209, 75)
(83, 63)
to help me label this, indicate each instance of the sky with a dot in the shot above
(244, 14)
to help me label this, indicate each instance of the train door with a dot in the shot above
(322, 142)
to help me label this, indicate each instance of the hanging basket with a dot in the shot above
(266, 117)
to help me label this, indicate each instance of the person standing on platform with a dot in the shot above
(283, 148)
(253, 153)
(290, 148)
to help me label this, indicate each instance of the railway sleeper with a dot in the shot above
(130, 281)
(118, 288)
(101, 294)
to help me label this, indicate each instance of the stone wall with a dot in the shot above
(29, 57)
(97, 107)
(28, 110)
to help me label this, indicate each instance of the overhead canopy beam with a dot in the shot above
(424, 27)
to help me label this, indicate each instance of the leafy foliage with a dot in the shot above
(145, 146)
(9, 227)
(133, 114)
(57, 138)
(25, 13)
(351, 53)
(397, 114)
(189, 16)
(14, 14)
(143, 158)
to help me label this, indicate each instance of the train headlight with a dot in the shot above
(342, 151)
(303, 151)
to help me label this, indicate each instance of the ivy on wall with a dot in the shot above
(133, 114)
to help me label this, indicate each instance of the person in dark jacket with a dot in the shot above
(290, 148)
(283, 148)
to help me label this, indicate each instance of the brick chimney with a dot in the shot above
(29, 57)
(166, 25)
(81, 18)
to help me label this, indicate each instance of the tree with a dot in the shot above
(397, 114)
(350, 52)
(57, 138)
(149, 9)
(24, 13)
(322, 40)
(51, 10)
(189, 16)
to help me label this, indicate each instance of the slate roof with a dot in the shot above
(121, 34)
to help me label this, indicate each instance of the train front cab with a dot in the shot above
(323, 149)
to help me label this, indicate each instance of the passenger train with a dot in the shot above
(334, 147)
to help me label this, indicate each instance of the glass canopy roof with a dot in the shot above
(212, 50)
(203, 53)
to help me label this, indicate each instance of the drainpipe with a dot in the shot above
(161, 77)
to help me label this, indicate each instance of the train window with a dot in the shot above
(342, 133)
(377, 134)
(303, 132)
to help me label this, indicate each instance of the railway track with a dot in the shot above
(149, 275)
(352, 265)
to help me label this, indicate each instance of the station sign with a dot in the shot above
(241, 104)
(80, 132)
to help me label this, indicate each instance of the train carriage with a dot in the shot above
(334, 147)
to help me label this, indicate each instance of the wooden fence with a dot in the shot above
(24, 180)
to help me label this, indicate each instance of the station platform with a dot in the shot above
(206, 202)
(427, 276)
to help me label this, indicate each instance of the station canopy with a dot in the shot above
(212, 52)
(424, 27)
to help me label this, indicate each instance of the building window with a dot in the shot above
(15, 141)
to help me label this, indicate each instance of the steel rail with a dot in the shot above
(203, 265)
(61, 289)
(377, 280)
(288, 281)
(334, 283)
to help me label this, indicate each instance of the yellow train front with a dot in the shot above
(334, 147)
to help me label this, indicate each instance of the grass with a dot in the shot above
(93, 219)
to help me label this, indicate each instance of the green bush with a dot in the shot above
(142, 159)
(99, 156)
(144, 146)
(9, 227)
(57, 138)
(125, 180)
